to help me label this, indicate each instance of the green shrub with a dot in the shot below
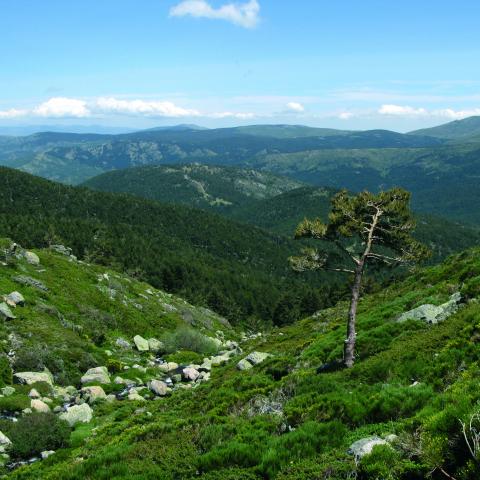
(184, 357)
(5, 372)
(35, 433)
(308, 440)
(14, 403)
(188, 339)
(380, 464)
(233, 454)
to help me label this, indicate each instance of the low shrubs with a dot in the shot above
(34, 433)
(189, 339)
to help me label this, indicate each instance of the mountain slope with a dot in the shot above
(411, 386)
(459, 130)
(195, 185)
(239, 270)
(227, 146)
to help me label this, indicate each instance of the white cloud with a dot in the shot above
(457, 114)
(62, 107)
(401, 110)
(143, 107)
(295, 107)
(448, 113)
(243, 14)
(345, 115)
(240, 115)
(12, 113)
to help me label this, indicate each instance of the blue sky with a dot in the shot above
(344, 63)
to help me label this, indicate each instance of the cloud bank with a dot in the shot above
(245, 15)
(295, 107)
(407, 111)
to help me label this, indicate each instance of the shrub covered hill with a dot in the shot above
(141, 385)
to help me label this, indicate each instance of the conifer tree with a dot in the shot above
(363, 228)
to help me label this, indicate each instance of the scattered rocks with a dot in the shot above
(190, 374)
(220, 359)
(433, 313)
(31, 258)
(96, 375)
(252, 359)
(46, 453)
(5, 312)
(93, 394)
(7, 391)
(159, 388)
(364, 446)
(156, 346)
(141, 343)
(15, 298)
(168, 367)
(30, 378)
(122, 343)
(77, 414)
(4, 442)
(30, 282)
(39, 406)
(61, 249)
(33, 393)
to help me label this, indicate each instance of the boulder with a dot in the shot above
(206, 366)
(244, 364)
(46, 453)
(93, 394)
(5, 312)
(156, 346)
(61, 249)
(4, 441)
(159, 388)
(30, 378)
(364, 446)
(219, 359)
(96, 375)
(77, 414)
(122, 343)
(231, 345)
(141, 343)
(168, 367)
(14, 299)
(34, 393)
(7, 391)
(136, 397)
(39, 406)
(433, 313)
(30, 282)
(190, 374)
(257, 357)
(31, 258)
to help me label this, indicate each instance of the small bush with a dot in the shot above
(5, 372)
(35, 433)
(189, 339)
(14, 403)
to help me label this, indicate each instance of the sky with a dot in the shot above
(347, 64)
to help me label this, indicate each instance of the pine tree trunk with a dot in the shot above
(349, 347)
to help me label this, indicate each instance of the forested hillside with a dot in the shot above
(240, 271)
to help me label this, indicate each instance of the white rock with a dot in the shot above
(244, 364)
(46, 453)
(96, 375)
(141, 343)
(39, 406)
(190, 374)
(5, 312)
(93, 394)
(31, 258)
(34, 394)
(364, 446)
(33, 377)
(77, 414)
(159, 388)
(15, 298)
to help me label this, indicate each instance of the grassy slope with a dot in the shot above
(459, 130)
(216, 432)
(69, 327)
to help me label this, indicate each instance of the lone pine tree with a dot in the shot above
(363, 228)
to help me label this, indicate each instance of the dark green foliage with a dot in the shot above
(34, 433)
(5, 371)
